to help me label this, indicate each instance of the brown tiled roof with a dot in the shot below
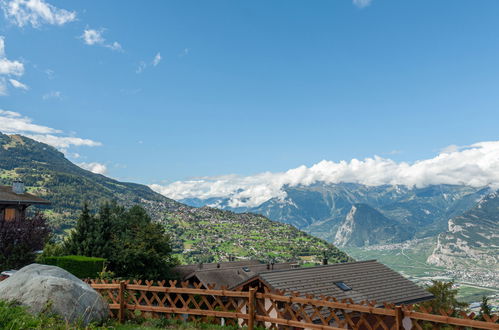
(186, 270)
(229, 273)
(8, 196)
(368, 280)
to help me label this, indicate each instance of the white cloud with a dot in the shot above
(18, 84)
(52, 95)
(115, 46)
(14, 123)
(362, 3)
(94, 37)
(476, 165)
(8, 67)
(143, 65)
(94, 167)
(35, 12)
(156, 59)
(63, 142)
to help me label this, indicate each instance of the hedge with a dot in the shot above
(79, 266)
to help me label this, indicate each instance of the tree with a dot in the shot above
(20, 239)
(484, 309)
(445, 298)
(80, 239)
(134, 246)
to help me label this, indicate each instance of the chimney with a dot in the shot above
(272, 265)
(268, 266)
(200, 265)
(324, 261)
(218, 265)
(18, 187)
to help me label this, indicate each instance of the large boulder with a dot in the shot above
(41, 286)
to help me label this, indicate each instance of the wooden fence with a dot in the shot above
(274, 310)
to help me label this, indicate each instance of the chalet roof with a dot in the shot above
(231, 273)
(186, 270)
(7, 196)
(368, 280)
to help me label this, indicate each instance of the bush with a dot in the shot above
(19, 239)
(79, 266)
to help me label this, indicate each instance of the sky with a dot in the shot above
(177, 94)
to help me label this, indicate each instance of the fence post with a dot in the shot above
(121, 298)
(251, 308)
(398, 318)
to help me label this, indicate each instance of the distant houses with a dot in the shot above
(14, 200)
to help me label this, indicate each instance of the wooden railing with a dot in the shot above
(192, 302)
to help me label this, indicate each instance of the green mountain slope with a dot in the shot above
(206, 233)
(48, 174)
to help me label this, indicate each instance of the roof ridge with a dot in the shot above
(321, 266)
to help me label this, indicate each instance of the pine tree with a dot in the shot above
(132, 243)
(81, 238)
(484, 309)
(445, 298)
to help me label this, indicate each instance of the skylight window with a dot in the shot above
(343, 286)
(246, 269)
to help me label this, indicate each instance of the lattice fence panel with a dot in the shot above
(273, 310)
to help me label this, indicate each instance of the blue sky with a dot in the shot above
(170, 90)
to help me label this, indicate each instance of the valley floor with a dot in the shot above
(409, 258)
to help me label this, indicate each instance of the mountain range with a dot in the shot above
(321, 209)
(198, 234)
(438, 230)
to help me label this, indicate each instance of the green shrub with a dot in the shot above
(79, 266)
(15, 317)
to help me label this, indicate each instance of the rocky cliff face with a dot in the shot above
(364, 225)
(472, 239)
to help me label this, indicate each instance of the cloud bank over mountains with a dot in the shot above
(476, 165)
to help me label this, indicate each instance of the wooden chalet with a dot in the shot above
(14, 201)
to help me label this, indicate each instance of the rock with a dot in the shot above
(38, 286)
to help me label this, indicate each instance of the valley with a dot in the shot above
(410, 259)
